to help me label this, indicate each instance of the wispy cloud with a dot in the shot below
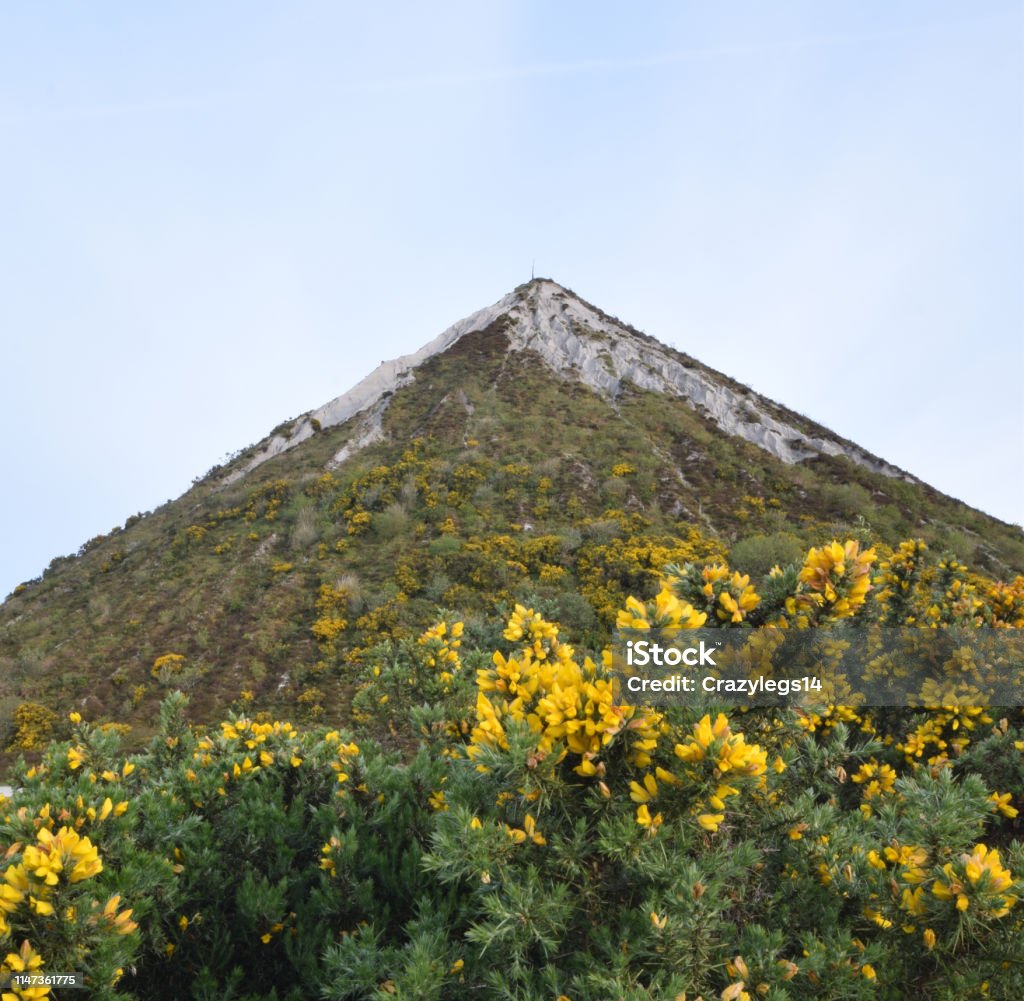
(614, 64)
(621, 63)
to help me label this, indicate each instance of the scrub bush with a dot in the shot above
(526, 837)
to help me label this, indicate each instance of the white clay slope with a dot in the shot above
(576, 342)
(383, 380)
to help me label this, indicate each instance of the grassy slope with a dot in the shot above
(505, 442)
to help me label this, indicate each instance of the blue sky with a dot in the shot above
(218, 216)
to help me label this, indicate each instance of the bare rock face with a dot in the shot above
(579, 342)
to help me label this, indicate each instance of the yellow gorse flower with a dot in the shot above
(712, 751)
(666, 613)
(13, 889)
(25, 960)
(1001, 801)
(528, 625)
(442, 650)
(528, 830)
(644, 818)
(839, 577)
(728, 751)
(909, 859)
(569, 706)
(984, 876)
(121, 921)
(736, 595)
(643, 793)
(877, 779)
(63, 852)
(327, 861)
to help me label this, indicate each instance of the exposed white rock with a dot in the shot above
(575, 341)
(385, 379)
(371, 429)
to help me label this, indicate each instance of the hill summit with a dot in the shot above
(538, 451)
(578, 341)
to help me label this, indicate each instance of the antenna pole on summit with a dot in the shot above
(532, 263)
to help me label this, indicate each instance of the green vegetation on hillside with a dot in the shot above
(496, 483)
(526, 837)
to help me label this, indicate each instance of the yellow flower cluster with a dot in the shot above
(250, 733)
(265, 741)
(569, 706)
(571, 709)
(899, 582)
(528, 831)
(261, 745)
(108, 775)
(733, 593)
(32, 883)
(332, 604)
(35, 724)
(877, 780)
(1007, 602)
(539, 635)
(442, 647)
(25, 960)
(947, 729)
(907, 874)
(327, 861)
(666, 613)
(955, 598)
(62, 852)
(344, 755)
(359, 522)
(980, 877)
(838, 578)
(635, 564)
(977, 880)
(713, 751)
(167, 666)
(644, 794)
(120, 921)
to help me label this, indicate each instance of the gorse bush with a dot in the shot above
(524, 836)
(34, 725)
